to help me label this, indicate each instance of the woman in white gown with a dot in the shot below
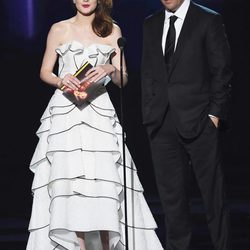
(78, 199)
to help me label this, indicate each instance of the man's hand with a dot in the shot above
(215, 121)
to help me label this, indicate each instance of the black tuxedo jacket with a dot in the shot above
(198, 82)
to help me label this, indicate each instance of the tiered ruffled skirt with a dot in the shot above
(78, 181)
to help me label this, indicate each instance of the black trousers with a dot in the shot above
(171, 155)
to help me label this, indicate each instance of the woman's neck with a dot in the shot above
(84, 20)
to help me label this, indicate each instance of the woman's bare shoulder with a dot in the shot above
(60, 31)
(116, 34)
(116, 31)
(62, 26)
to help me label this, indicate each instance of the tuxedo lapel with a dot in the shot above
(159, 25)
(186, 31)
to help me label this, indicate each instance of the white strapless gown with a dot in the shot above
(78, 171)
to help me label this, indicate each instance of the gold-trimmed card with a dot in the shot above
(86, 90)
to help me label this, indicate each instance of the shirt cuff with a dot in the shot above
(212, 116)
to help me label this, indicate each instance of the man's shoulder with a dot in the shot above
(154, 17)
(203, 10)
(199, 9)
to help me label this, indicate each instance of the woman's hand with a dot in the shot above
(69, 81)
(97, 73)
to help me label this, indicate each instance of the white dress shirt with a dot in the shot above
(181, 14)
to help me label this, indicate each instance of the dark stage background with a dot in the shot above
(23, 28)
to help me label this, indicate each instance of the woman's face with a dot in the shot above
(86, 7)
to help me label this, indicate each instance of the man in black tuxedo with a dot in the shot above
(185, 91)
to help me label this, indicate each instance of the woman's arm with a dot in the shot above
(49, 59)
(115, 76)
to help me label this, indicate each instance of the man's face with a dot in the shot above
(172, 5)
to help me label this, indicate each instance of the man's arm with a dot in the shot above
(219, 56)
(146, 67)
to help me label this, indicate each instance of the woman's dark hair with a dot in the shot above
(103, 23)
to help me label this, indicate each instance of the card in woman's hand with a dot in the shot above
(86, 90)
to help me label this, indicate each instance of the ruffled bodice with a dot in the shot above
(72, 55)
